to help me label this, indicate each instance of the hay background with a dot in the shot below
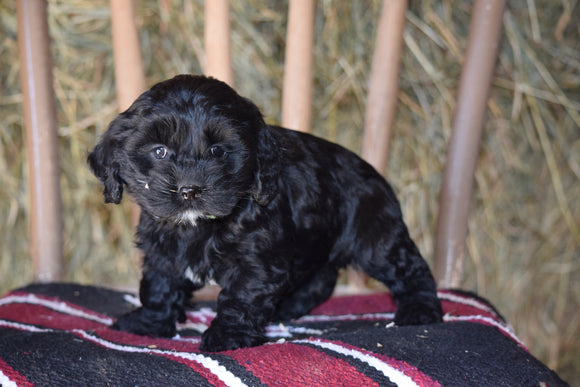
(523, 244)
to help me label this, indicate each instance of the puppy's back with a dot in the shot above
(327, 162)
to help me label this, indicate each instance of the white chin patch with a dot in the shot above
(189, 217)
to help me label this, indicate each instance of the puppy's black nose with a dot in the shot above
(189, 192)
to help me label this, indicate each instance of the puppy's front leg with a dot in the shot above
(240, 321)
(162, 298)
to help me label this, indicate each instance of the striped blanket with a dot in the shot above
(60, 335)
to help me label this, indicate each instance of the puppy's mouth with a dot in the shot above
(185, 205)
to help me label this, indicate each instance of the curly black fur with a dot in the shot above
(268, 213)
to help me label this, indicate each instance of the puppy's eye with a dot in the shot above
(160, 152)
(217, 151)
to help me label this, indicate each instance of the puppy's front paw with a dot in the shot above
(419, 313)
(219, 338)
(144, 322)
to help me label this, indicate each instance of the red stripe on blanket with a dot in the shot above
(457, 304)
(405, 368)
(284, 364)
(455, 309)
(374, 303)
(9, 374)
(48, 318)
(51, 302)
(452, 303)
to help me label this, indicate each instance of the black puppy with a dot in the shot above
(268, 213)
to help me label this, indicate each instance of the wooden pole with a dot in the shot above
(218, 61)
(297, 86)
(456, 190)
(384, 84)
(129, 71)
(41, 140)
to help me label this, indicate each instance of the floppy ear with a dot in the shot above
(105, 161)
(268, 167)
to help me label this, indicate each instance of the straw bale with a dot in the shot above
(523, 242)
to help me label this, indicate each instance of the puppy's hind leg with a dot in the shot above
(398, 264)
(318, 289)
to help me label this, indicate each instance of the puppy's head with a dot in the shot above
(188, 148)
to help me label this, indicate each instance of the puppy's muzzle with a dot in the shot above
(189, 192)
